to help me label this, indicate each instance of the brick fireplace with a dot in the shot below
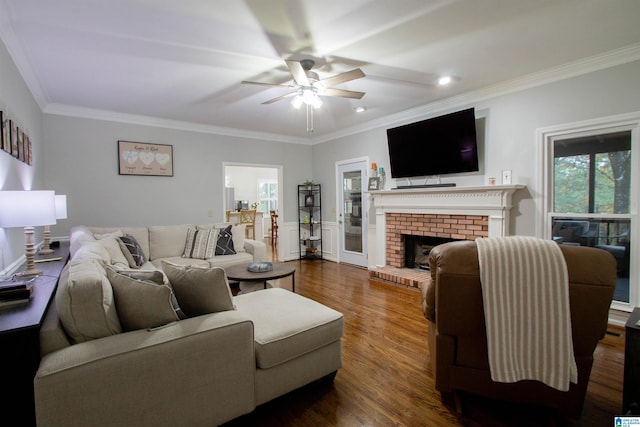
(448, 212)
(455, 227)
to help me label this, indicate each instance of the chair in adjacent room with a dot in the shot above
(248, 218)
(274, 228)
(452, 302)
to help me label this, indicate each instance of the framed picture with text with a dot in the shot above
(141, 158)
(374, 183)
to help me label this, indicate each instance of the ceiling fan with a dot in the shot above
(308, 86)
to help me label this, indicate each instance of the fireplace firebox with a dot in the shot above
(417, 249)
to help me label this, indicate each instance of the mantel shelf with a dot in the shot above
(453, 190)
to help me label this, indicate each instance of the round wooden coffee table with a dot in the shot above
(280, 270)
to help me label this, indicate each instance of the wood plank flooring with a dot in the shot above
(386, 378)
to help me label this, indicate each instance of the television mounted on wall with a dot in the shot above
(437, 146)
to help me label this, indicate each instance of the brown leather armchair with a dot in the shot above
(452, 304)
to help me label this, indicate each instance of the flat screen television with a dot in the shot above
(437, 146)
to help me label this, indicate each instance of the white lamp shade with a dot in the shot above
(61, 206)
(27, 208)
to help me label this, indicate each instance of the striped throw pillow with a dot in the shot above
(201, 243)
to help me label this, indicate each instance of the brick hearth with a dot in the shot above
(461, 227)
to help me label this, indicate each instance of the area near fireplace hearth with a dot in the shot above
(442, 214)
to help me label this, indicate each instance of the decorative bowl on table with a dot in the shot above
(260, 267)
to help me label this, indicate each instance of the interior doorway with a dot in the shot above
(253, 186)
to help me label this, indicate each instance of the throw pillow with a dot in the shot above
(112, 246)
(201, 243)
(132, 250)
(199, 290)
(154, 276)
(141, 304)
(224, 245)
(238, 232)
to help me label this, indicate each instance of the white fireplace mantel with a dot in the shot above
(493, 201)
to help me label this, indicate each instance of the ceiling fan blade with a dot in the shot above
(268, 84)
(342, 77)
(298, 73)
(271, 101)
(343, 93)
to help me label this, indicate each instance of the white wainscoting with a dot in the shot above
(288, 240)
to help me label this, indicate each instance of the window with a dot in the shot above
(592, 174)
(268, 195)
(591, 201)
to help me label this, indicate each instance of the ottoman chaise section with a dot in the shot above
(288, 325)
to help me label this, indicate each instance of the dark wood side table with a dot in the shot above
(20, 340)
(631, 388)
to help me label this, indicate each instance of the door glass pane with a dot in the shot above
(352, 191)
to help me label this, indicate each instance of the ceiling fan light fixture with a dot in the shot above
(297, 101)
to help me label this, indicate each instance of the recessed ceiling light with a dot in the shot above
(360, 109)
(444, 80)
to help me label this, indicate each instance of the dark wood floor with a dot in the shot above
(386, 378)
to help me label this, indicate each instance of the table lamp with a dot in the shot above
(61, 213)
(27, 209)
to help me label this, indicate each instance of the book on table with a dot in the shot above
(16, 291)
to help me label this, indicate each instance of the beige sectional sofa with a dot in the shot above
(205, 369)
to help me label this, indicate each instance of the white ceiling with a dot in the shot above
(183, 61)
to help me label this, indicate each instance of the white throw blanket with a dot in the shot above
(525, 291)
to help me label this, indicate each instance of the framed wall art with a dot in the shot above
(5, 143)
(374, 183)
(308, 200)
(141, 158)
(13, 131)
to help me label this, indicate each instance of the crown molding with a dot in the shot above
(609, 59)
(113, 116)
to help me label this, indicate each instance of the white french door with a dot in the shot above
(352, 212)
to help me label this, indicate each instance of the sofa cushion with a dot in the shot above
(229, 260)
(167, 241)
(142, 304)
(92, 250)
(110, 243)
(141, 234)
(179, 260)
(78, 236)
(238, 233)
(132, 251)
(84, 301)
(199, 290)
(288, 325)
(201, 243)
(224, 245)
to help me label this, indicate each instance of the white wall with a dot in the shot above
(82, 163)
(16, 101)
